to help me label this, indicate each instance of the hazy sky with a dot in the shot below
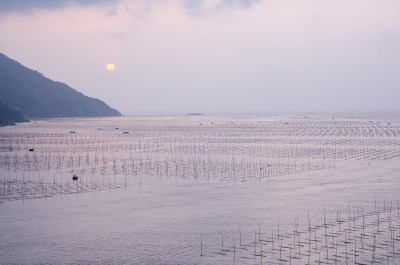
(214, 56)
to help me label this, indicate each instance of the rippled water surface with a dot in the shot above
(200, 190)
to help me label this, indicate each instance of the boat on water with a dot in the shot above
(75, 177)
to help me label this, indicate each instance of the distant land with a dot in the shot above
(26, 93)
(194, 114)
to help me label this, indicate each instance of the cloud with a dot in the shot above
(27, 5)
(238, 3)
(192, 6)
(204, 7)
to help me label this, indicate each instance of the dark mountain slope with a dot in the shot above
(36, 96)
(9, 116)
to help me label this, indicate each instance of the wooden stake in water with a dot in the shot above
(201, 245)
(222, 241)
(255, 242)
(240, 236)
(234, 247)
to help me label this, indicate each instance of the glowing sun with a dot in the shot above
(110, 67)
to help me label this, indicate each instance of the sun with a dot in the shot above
(110, 67)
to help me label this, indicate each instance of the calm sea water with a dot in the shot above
(200, 190)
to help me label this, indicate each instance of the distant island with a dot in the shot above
(194, 114)
(26, 93)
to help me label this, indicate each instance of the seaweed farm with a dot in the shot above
(201, 190)
(354, 237)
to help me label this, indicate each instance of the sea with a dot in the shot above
(284, 189)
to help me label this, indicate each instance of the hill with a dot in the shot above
(35, 96)
(9, 116)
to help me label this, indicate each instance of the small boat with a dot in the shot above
(75, 177)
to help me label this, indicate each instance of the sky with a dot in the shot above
(214, 56)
